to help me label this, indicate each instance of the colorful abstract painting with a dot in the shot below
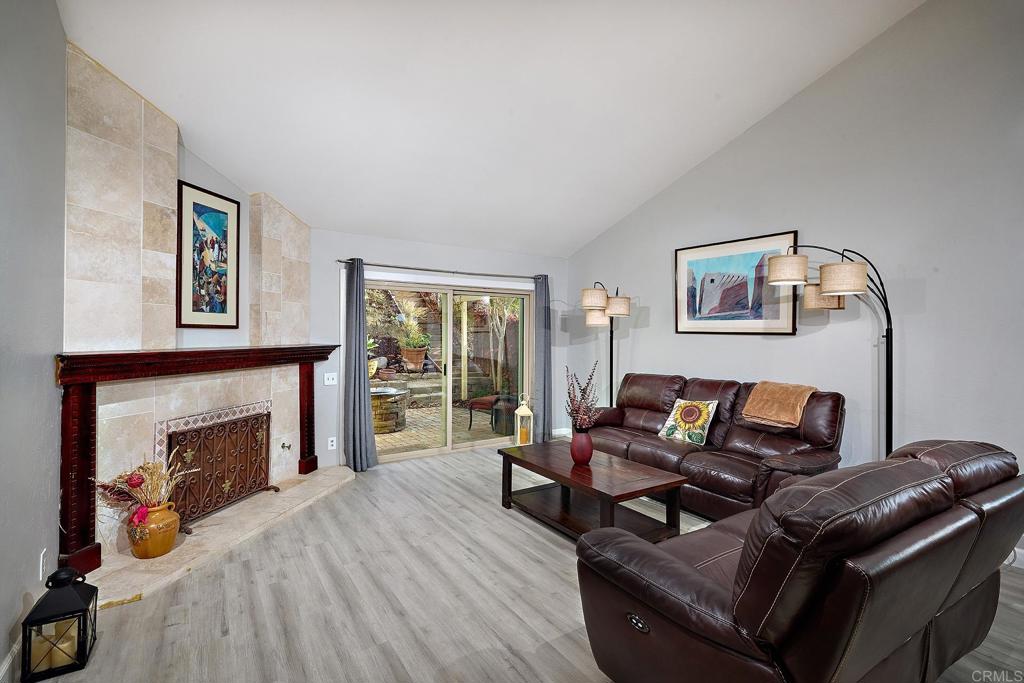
(207, 258)
(722, 288)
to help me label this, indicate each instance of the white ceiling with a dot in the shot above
(526, 125)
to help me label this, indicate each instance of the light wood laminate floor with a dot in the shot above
(414, 572)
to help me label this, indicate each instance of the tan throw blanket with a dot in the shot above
(776, 404)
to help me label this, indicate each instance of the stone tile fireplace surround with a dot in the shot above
(115, 406)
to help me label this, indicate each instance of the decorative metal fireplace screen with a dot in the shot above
(232, 459)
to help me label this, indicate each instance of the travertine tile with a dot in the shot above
(117, 399)
(102, 316)
(157, 291)
(294, 323)
(285, 378)
(271, 301)
(160, 176)
(158, 326)
(114, 259)
(255, 277)
(271, 282)
(255, 325)
(295, 281)
(102, 175)
(284, 463)
(159, 228)
(101, 224)
(159, 264)
(122, 443)
(273, 216)
(101, 105)
(220, 393)
(270, 257)
(256, 385)
(159, 129)
(295, 243)
(176, 397)
(271, 328)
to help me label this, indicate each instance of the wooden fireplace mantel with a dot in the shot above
(78, 374)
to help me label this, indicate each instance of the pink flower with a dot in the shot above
(140, 515)
(135, 480)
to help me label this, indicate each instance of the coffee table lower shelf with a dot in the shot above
(574, 513)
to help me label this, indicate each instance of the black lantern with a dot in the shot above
(58, 634)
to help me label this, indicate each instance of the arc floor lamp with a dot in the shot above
(847, 277)
(602, 309)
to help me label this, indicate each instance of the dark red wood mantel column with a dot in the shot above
(78, 374)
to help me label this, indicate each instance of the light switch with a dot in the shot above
(330, 378)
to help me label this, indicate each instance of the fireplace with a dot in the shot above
(79, 373)
(230, 461)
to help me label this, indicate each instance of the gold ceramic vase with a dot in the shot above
(161, 530)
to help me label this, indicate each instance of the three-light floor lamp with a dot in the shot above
(602, 309)
(847, 277)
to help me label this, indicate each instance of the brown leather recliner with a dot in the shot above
(877, 573)
(742, 462)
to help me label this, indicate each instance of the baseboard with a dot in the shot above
(7, 665)
(561, 431)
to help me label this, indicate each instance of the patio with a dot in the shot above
(425, 429)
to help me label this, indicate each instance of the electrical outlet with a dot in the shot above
(332, 443)
(42, 564)
(330, 378)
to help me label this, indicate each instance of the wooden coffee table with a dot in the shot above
(585, 497)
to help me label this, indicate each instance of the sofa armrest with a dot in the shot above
(667, 585)
(776, 468)
(609, 417)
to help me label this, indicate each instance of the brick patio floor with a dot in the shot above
(424, 428)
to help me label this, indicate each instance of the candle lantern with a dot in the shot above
(524, 422)
(58, 634)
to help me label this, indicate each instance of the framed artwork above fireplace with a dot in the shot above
(722, 288)
(207, 258)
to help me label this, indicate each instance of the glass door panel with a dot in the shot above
(409, 340)
(488, 364)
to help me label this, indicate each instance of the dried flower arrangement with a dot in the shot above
(147, 486)
(581, 405)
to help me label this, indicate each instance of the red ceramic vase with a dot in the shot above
(582, 447)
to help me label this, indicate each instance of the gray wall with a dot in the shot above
(911, 151)
(194, 170)
(325, 306)
(31, 299)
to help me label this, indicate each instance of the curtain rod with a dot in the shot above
(440, 270)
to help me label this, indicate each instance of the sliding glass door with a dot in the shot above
(447, 365)
(488, 362)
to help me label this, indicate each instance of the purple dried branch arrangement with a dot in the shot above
(581, 405)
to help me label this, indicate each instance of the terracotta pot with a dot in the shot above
(414, 358)
(582, 447)
(162, 530)
(386, 374)
(371, 365)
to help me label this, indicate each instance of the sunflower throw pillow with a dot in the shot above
(689, 421)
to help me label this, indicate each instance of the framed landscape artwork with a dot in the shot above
(722, 288)
(207, 258)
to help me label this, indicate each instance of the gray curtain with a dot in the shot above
(360, 445)
(542, 359)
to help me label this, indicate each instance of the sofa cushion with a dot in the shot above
(972, 465)
(643, 420)
(655, 393)
(821, 425)
(725, 391)
(803, 528)
(763, 444)
(613, 440)
(712, 552)
(730, 474)
(657, 451)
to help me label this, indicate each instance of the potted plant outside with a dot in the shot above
(414, 349)
(371, 363)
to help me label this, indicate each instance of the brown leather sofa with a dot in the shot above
(742, 462)
(877, 573)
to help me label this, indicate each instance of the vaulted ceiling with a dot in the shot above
(525, 125)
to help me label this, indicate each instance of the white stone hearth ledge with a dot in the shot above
(122, 577)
